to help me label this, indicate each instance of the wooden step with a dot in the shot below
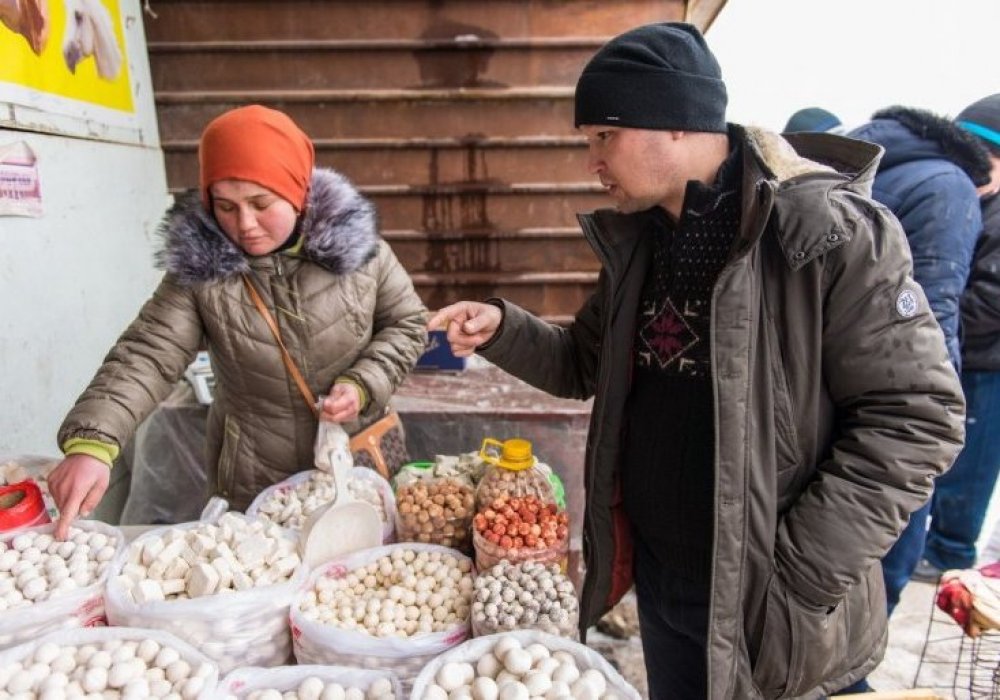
(482, 207)
(502, 112)
(424, 161)
(343, 64)
(455, 118)
(527, 250)
(485, 207)
(243, 20)
(546, 294)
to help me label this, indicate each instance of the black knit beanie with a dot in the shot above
(659, 76)
(982, 118)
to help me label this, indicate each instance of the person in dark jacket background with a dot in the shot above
(772, 393)
(961, 496)
(928, 178)
(814, 119)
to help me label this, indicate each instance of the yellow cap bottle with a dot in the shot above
(515, 454)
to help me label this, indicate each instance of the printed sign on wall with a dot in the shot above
(66, 57)
(20, 189)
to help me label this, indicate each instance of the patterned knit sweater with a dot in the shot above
(667, 470)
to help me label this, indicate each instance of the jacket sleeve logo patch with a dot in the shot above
(906, 303)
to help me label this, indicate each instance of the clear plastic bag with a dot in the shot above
(318, 643)
(490, 554)
(272, 502)
(521, 528)
(242, 628)
(82, 607)
(198, 662)
(238, 684)
(435, 509)
(542, 599)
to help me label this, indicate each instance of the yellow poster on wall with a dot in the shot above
(72, 49)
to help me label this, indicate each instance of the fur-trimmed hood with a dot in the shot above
(338, 228)
(910, 134)
(785, 157)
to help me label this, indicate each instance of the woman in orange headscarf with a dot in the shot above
(265, 223)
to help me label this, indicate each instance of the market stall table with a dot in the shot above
(442, 412)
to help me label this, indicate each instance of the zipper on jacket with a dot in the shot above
(589, 230)
(766, 203)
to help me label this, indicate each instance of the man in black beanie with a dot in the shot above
(772, 395)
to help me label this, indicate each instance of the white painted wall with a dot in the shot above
(72, 280)
(853, 57)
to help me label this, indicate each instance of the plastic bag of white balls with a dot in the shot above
(518, 666)
(392, 607)
(115, 662)
(524, 595)
(288, 503)
(245, 622)
(309, 683)
(48, 585)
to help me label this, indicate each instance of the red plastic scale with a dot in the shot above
(22, 505)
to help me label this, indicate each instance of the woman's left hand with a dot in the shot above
(342, 405)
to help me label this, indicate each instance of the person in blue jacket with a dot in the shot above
(962, 496)
(927, 178)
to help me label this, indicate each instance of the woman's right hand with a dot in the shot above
(469, 325)
(77, 485)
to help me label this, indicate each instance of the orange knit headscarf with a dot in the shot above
(260, 145)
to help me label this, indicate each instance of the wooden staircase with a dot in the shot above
(454, 116)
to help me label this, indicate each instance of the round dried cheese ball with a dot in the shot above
(120, 668)
(510, 671)
(402, 594)
(35, 567)
(436, 511)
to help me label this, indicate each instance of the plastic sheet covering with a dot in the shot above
(82, 607)
(238, 684)
(169, 482)
(473, 649)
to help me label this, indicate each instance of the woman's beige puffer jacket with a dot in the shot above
(345, 307)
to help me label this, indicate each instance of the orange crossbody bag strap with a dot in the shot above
(290, 365)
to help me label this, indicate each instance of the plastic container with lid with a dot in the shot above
(22, 505)
(513, 473)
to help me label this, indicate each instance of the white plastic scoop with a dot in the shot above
(344, 525)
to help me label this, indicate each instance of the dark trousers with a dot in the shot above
(900, 561)
(962, 494)
(673, 622)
